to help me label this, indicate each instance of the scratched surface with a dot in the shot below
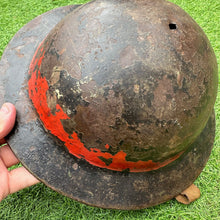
(93, 78)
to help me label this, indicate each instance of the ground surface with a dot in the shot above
(40, 202)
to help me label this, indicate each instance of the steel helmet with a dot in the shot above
(119, 99)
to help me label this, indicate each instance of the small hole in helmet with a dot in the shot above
(172, 26)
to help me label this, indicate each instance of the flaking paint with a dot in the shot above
(38, 87)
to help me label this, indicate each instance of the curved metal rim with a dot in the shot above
(43, 156)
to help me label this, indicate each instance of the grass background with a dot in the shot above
(40, 202)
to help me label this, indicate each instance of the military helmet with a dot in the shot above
(120, 98)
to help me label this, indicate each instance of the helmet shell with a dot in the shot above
(125, 85)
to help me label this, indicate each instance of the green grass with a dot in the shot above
(40, 202)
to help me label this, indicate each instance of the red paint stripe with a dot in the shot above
(38, 87)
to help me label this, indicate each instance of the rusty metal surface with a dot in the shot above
(133, 88)
(43, 155)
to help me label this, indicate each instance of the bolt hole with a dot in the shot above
(172, 26)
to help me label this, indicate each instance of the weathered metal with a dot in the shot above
(127, 87)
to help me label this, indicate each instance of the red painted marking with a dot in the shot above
(38, 87)
(107, 146)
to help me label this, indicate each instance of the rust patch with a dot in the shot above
(19, 54)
